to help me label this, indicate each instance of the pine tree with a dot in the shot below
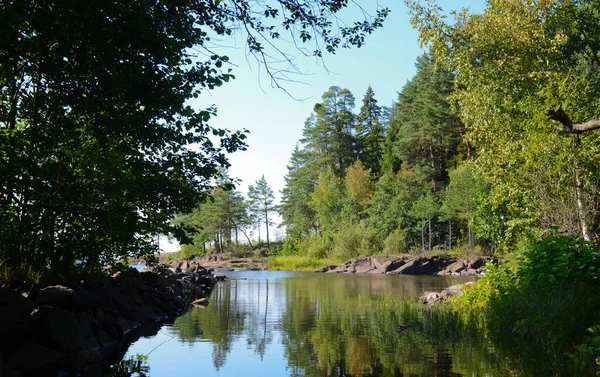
(298, 217)
(371, 133)
(262, 197)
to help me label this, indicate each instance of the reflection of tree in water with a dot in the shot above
(134, 366)
(328, 330)
(220, 323)
(335, 327)
(236, 309)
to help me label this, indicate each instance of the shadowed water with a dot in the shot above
(301, 324)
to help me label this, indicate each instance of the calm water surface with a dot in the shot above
(303, 324)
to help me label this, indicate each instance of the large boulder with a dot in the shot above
(59, 329)
(326, 268)
(15, 324)
(407, 268)
(58, 296)
(363, 266)
(36, 358)
(475, 263)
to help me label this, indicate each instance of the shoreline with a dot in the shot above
(78, 328)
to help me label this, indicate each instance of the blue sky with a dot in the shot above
(275, 119)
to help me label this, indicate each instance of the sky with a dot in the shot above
(275, 118)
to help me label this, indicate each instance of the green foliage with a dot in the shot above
(327, 202)
(353, 240)
(557, 260)
(261, 204)
(395, 242)
(543, 299)
(503, 89)
(300, 262)
(96, 130)
(315, 246)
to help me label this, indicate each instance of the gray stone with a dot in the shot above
(457, 267)
(406, 269)
(476, 262)
(363, 266)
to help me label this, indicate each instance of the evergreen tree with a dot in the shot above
(261, 195)
(332, 134)
(298, 217)
(371, 133)
(426, 130)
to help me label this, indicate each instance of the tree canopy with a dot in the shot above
(96, 127)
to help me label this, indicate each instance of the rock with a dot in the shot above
(394, 265)
(36, 357)
(200, 301)
(9, 372)
(81, 360)
(363, 265)
(425, 266)
(88, 322)
(91, 344)
(432, 296)
(15, 324)
(123, 326)
(105, 340)
(325, 269)
(143, 313)
(18, 305)
(476, 262)
(59, 329)
(457, 267)
(406, 269)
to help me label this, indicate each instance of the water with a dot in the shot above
(301, 324)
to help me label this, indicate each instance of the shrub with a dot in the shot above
(354, 240)
(315, 246)
(395, 243)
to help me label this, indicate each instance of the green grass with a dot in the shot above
(301, 263)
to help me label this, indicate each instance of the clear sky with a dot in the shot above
(275, 119)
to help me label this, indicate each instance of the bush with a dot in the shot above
(395, 242)
(560, 259)
(540, 303)
(315, 246)
(354, 240)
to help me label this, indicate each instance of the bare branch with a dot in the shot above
(559, 115)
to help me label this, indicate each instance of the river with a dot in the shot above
(269, 323)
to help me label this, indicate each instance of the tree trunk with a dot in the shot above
(429, 234)
(422, 235)
(569, 128)
(267, 224)
(581, 212)
(248, 238)
(450, 235)
(433, 180)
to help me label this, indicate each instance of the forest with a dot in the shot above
(492, 148)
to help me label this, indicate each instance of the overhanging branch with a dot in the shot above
(559, 115)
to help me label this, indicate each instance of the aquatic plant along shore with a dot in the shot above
(75, 327)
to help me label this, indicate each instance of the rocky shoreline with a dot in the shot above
(411, 265)
(78, 327)
(220, 262)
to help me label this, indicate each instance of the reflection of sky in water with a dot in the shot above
(176, 359)
(246, 330)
